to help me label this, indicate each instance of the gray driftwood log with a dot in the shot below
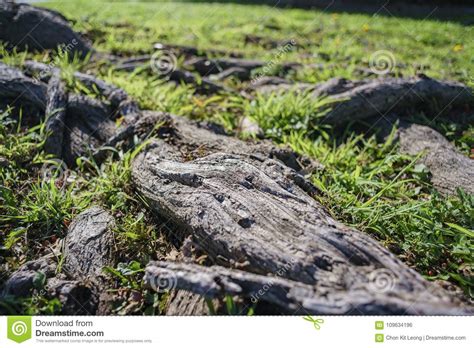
(27, 27)
(449, 168)
(254, 213)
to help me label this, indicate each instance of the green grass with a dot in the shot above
(363, 180)
(341, 41)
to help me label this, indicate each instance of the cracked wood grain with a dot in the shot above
(255, 213)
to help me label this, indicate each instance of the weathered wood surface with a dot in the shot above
(287, 296)
(41, 277)
(27, 27)
(88, 244)
(214, 66)
(378, 97)
(449, 168)
(21, 282)
(76, 297)
(79, 281)
(190, 51)
(77, 125)
(118, 98)
(244, 204)
(87, 249)
(203, 85)
(198, 138)
(358, 100)
(17, 88)
(56, 107)
(186, 303)
(252, 212)
(237, 72)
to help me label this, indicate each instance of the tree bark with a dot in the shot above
(27, 27)
(17, 88)
(352, 101)
(286, 296)
(77, 125)
(449, 168)
(205, 66)
(40, 276)
(56, 108)
(88, 245)
(252, 212)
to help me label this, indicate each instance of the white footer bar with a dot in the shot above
(224, 331)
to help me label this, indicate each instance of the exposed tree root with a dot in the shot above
(449, 168)
(203, 85)
(286, 296)
(77, 125)
(79, 285)
(358, 100)
(56, 107)
(18, 89)
(189, 51)
(23, 26)
(88, 245)
(374, 99)
(184, 302)
(245, 204)
(254, 213)
(205, 66)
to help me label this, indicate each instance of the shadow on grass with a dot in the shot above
(461, 11)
